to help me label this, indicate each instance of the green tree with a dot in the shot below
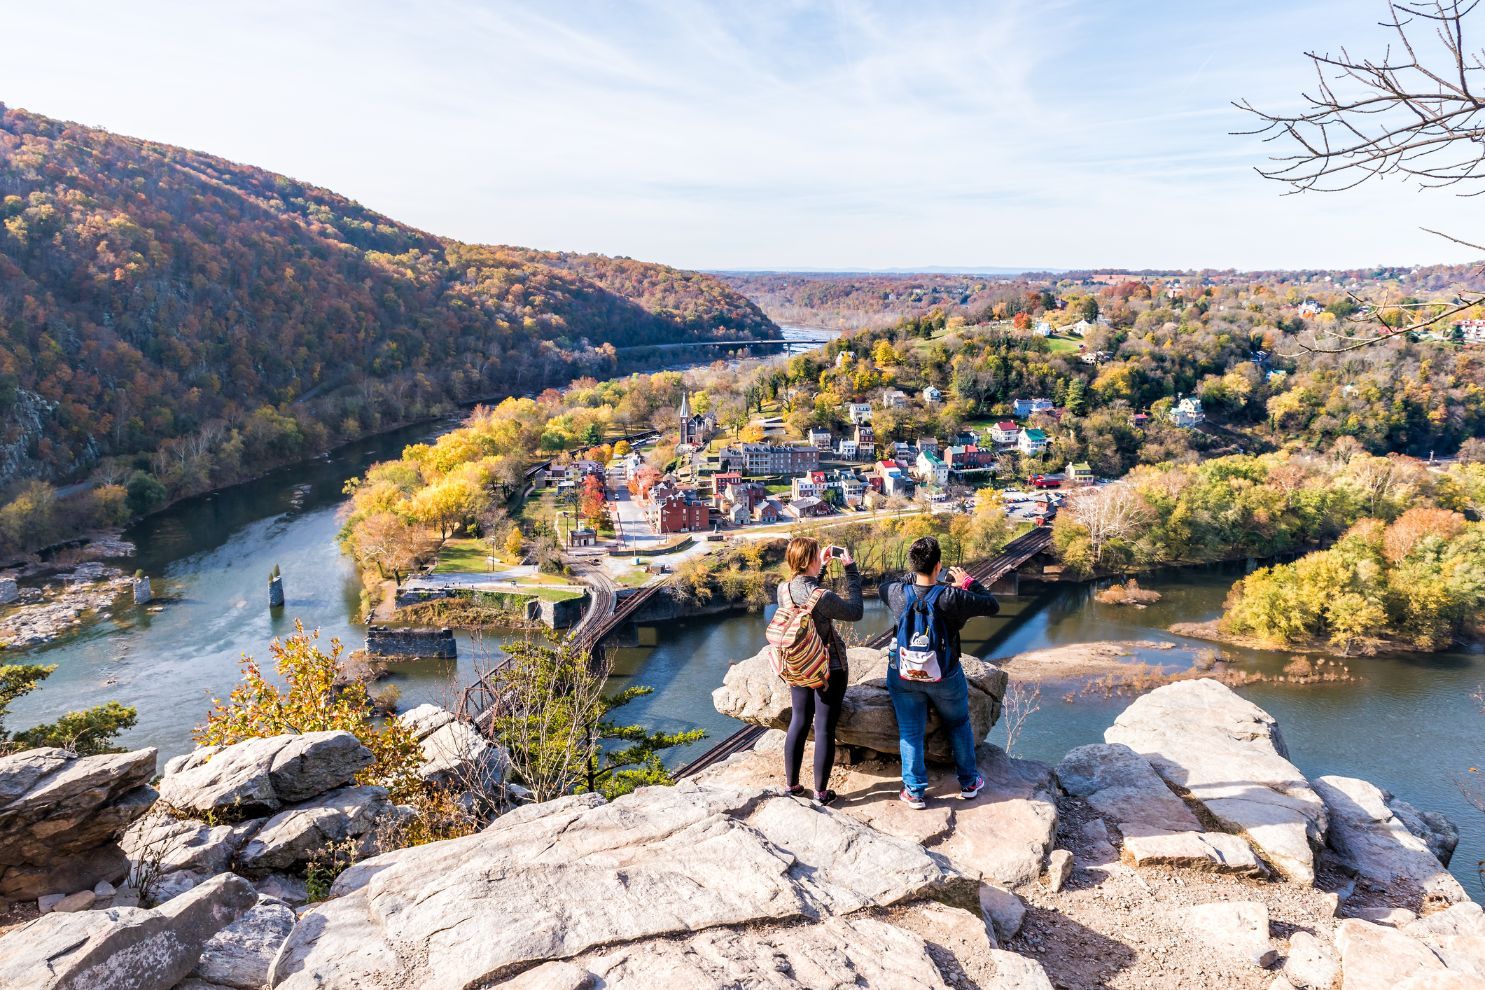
(86, 732)
(554, 720)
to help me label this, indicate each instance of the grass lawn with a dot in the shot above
(463, 556)
(633, 578)
(1063, 345)
(556, 594)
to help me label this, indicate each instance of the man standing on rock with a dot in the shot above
(923, 665)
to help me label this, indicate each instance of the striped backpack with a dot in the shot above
(800, 655)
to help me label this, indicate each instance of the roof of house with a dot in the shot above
(1081, 466)
(1035, 435)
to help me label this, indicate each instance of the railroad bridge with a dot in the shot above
(609, 612)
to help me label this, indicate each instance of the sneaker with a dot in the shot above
(912, 800)
(825, 797)
(794, 790)
(973, 791)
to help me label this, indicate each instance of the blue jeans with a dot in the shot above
(950, 698)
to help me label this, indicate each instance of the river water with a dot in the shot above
(1407, 723)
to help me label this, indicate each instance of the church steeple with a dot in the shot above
(685, 408)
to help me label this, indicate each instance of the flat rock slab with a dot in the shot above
(1156, 826)
(1310, 963)
(1002, 836)
(752, 692)
(662, 861)
(1374, 957)
(122, 947)
(1237, 929)
(298, 834)
(258, 776)
(1370, 838)
(1227, 755)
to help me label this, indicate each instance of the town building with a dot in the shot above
(858, 412)
(892, 479)
(1080, 473)
(738, 514)
(1309, 309)
(931, 470)
(1187, 412)
(1471, 331)
(811, 485)
(767, 511)
(1004, 433)
(808, 507)
(770, 458)
(902, 451)
(1021, 408)
(721, 481)
(694, 429)
(969, 458)
(848, 448)
(894, 398)
(929, 444)
(1042, 328)
(932, 395)
(865, 437)
(1032, 442)
(1078, 329)
(677, 511)
(821, 438)
(583, 537)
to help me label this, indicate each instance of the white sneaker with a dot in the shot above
(910, 799)
(970, 793)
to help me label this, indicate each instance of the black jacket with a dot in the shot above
(955, 606)
(830, 608)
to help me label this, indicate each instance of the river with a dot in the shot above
(1407, 723)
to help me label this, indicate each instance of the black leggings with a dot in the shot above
(822, 706)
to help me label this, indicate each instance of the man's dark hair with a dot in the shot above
(924, 555)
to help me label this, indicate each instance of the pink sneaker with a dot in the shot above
(910, 799)
(973, 791)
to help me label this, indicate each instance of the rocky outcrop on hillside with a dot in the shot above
(455, 756)
(1112, 870)
(61, 817)
(123, 946)
(752, 692)
(699, 885)
(1226, 756)
(260, 807)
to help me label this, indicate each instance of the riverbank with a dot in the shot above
(1369, 647)
(61, 606)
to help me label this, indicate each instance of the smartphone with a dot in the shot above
(836, 552)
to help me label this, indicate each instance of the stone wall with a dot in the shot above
(385, 641)
(556, 615)
(8, 591)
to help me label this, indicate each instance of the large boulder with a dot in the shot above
(297, 835)
(1155, 826)
(122, 947)
(166, 844)
(61, 816)
(553, 881)
(1226, 755)
(259, 776)
(1371, 839)
(240, 955)
(455, 756)
(752, 692)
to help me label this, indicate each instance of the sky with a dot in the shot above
(756, 135)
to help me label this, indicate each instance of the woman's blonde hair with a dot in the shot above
(802, 553)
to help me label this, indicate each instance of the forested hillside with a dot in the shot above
(167, 312)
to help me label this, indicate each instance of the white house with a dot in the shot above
(843, 358)
(1005, 433)
(1032, 442)
(859, 412)
(894, 398)
(820, 438)
(1079, 328)
(1042, 328)
(1187, 412)
(806, 486)
(1021, 408)
(1472, 331)
(932, 395)
(931, 470)
(848, 448)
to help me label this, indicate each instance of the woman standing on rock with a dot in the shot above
(806, 560)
